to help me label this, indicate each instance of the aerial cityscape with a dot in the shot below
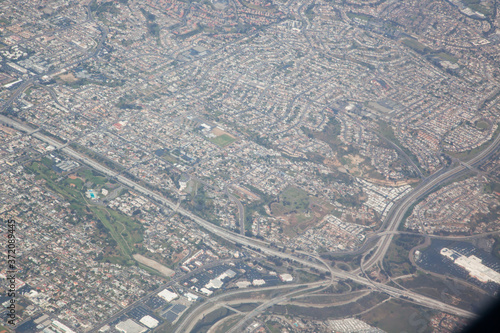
(266, 166)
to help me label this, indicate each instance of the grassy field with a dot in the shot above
(172, 159)
(305, 277)
(447, 291)
(151, 270)
(331, 312)
(329, 298)
(4, 329)
(387, 132)
(359, 16)
(478, 6)
(103, 216)
(210, 319)
(396, 262)
(77, 183)
(482, 125)
(94, 177)
(70, 193)
(416, 45)
(447, 57)
(228, 323)
(292, 199)
(125, 231)
(223, 140)
(399, 316)
(330, 134)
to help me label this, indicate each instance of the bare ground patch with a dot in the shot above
(153, 264)
(392, 183)
(68, 77)
(218, 132)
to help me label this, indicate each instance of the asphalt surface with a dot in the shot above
(385, 235)
(234, 237)
(395, 218)
(396, 215)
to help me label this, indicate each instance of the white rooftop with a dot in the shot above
(130, 326)
(149, 321)
(167, 295)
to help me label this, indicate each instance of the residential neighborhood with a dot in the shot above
(246, 165)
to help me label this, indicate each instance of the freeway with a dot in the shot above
(175, 280)
(274, 301)
(397, 213)
(18, 92)
(34, 78)
(236, 238)
(190, 321)
(241, 210)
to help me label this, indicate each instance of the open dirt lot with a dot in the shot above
(153, 264)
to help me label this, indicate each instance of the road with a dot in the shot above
(234, 237)
(395, 218)
(190, 321)
(397, 213)
(241, 210)
(385, 234)
(266, 305)
(170, 283)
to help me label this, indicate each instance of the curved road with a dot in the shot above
(399, 210)
(234, 237)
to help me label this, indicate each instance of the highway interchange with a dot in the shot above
(397, 213)
(394, 219)
(385, 234)
(379, 242)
